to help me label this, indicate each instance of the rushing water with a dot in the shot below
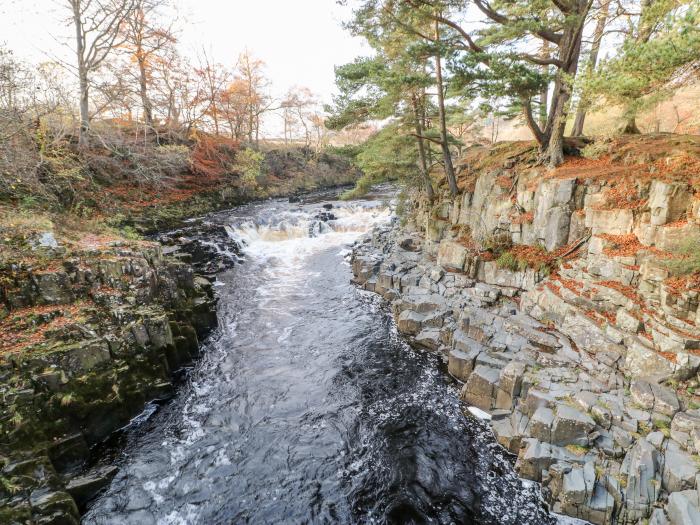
(307, 407)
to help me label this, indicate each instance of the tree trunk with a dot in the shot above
(421, 152)
(84, 109)
(569, 52)
(584, 103)
(449, 168)
(82, 75)
(143, 88)
(544, 92)
(630, 127)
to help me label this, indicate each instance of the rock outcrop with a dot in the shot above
(586, 365)
(89, 338)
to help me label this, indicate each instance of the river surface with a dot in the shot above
(306, 406)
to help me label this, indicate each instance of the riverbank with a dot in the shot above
(87, 342)
(551, 298)
(96, 322)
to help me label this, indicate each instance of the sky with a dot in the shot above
(300, 40)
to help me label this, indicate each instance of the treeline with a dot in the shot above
(126, 89)
(440, 66)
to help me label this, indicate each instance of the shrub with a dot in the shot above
(249, 165)
(508, 261)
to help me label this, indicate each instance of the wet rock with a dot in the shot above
(84, 488)
(68, 452)
(54, 507)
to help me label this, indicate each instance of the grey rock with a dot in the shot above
(658, 517)
(536, 457)
(84, 488)
(460, 364)
(679, 471)
(541, 424)
(480, 388)
(682, 508)
(640, 467)
(429, 338)
(641, 393)
(571, 427)
(574, 488)
(410, 322)
(665, 400)
(510, 384)
(656, 439)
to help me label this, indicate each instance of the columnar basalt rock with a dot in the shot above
(89, 340)
(588, 372)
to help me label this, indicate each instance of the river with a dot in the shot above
(306, 406)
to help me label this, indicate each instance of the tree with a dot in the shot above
(511, 28)
(663, 43)
(295, 110)
(444, 144)
(380, 88)
(213, 79)
(97, 25)
(251, 72)
(584, 102)
(146, 41)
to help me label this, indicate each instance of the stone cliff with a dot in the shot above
(566, 302)
(88, 338)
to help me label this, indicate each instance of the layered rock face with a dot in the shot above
(586, 365)
(88, 339)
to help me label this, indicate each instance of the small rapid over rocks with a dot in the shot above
(307, 407)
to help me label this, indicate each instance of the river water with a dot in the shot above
(306, 406)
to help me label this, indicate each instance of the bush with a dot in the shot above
(249, 165)
(508, 261)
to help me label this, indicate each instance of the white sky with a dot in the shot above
(300, 40)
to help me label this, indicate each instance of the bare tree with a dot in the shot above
(214, 79)
(97, 33)
(146, 40)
